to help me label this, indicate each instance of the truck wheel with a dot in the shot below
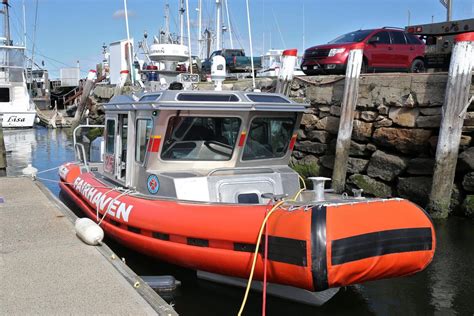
(417, 66)
(365, 67)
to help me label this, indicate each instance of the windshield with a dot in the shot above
(200, 138)
(268, 138)
(352, 37)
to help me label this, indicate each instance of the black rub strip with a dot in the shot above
(161, 236)
(318, 248)
(380, 243)
(198, 242)
(134, 230)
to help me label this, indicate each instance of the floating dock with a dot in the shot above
(46, 269)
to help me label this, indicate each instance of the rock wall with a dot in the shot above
(394, 139)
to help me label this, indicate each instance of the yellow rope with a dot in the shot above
(259, 239)
(244, 301)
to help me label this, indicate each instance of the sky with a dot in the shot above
(67, 31)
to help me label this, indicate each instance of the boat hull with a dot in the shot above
(313, 248)
(17, 119)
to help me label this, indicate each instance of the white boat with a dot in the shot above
(16, 107)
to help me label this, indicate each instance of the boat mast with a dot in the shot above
(6, 22)
(228, 23)
(24, 24)
(218, 24)
(181, 22)
(200, 28)
(167, 24)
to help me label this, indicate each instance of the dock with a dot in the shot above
(46, 269)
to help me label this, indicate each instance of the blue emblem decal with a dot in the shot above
(153, 184)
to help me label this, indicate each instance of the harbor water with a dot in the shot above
(446, 287)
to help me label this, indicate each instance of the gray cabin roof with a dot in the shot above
(205, 101)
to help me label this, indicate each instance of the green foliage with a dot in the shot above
(93, 133)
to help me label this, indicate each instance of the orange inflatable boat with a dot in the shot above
(150, 194)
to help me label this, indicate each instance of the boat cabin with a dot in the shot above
(208, 146)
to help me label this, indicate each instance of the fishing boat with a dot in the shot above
(191, 178)
(16, 107)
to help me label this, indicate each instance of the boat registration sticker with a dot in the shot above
(153, 184)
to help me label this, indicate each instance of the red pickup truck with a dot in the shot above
(385, 49)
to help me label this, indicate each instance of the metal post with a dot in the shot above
(349, 101)
(455, 101)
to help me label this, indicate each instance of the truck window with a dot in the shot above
(384, 37)
(398, 37)
(412, 39)
(268, 138)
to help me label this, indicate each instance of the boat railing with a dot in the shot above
(79, 149)
(80, 153)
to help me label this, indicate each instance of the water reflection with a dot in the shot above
(446, 287)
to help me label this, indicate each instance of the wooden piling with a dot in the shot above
(349, 101)
(455, 100)
(3, 155)
(88, 85)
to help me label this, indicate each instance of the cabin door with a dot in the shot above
(121, 152)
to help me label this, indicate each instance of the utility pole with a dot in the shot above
(450, 9)
(448, 4)
(409, 15)
(218, 24)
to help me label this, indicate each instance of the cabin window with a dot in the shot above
(143, 133)
(267, 98)
(268, 138)
(4, 94)
(200, 138)
(110, 137)
(201, 97)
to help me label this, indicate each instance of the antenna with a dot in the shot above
(24, 24)
(251, 49)
(218, 24)
(130, 56)
(189, 38)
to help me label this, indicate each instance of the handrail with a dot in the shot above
(240, 168)
(74, 138)
(81, 148)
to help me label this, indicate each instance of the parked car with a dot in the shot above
(385, 49)
(235, 61)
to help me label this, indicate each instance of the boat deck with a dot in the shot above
(46, 269)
